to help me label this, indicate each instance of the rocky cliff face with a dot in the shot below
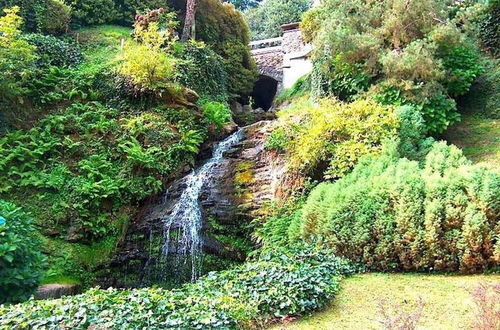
(239, 188)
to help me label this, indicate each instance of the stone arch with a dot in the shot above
(264, 91)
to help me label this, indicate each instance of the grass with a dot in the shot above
(478, 137)
(448, 304)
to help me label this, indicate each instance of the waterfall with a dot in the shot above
(185, 248)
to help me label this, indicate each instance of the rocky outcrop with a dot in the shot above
(240, 188)
(57, 290)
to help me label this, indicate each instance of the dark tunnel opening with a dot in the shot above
(264, 91)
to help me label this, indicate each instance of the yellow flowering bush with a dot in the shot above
(333, 135)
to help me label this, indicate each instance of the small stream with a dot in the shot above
(182, 240)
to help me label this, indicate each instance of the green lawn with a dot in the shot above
(478, 137)
(448, 304)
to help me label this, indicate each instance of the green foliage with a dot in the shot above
(285, 283)
(82, 166)
(414, 47)
(148, 69)
(53, 17)
(17, 57)
(244, 4)
(224, 28)
(47, 16)
(92, 12)
(146, 62)
(53, 51)
(331, 136)
(21, 261)
(490, 28)
(438, 110)
(391, 213)
(202, 70)
(217, 113)
(265, 20)
(484, 97)
(277, 140)
(299, 88)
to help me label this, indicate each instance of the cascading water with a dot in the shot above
(185, 247)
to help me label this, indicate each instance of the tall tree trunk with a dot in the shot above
(189, 23)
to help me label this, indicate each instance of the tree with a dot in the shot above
(189, 24)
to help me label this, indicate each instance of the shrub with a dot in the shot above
(490, 29)
(412, 46)
(92, 12)
(149, 69)
(265, 20)
(224, 28)
(54, 17)
(16, 56)
(332, 136)
(201, 69)
(146, 61)
(128, 9)
(483, 98)
(217, 113)
(437, 109)
(53, 51)
(275, 286)
(21, 261)
(277, 140)
(395, 214)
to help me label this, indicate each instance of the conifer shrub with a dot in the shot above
(21, 260)
(283, 283)
(391, 213)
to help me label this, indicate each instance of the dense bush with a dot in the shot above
(275, 286)
(54, 17)
(80, 167)
(391, 213)
(47, 16)
(224, 28)
(147, 62)
(413, 47)
(17, 57)
(490, 29)
(330, 137)
(53, 51)
(92, 12)
(484, 96)
(265, 20)
(201, 69)
(21, 261)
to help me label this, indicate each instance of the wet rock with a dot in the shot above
(190, 95)
(238, 189)
(56, 290)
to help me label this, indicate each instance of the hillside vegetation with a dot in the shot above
(385, 165)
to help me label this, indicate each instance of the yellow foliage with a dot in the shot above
(147, 67)
(336, 134)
